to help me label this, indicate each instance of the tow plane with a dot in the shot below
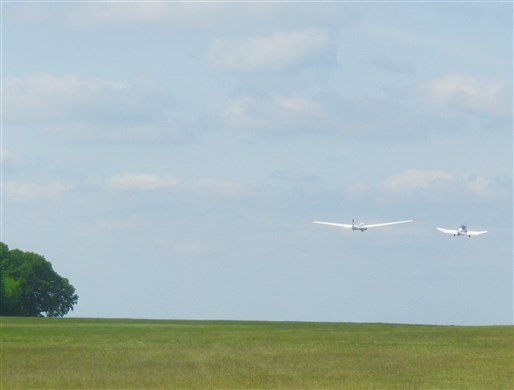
(361, 226)
(462, 231)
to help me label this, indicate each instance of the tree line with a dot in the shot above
(30, 287)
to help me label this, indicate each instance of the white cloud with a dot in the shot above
(217, 186)
(189, 248)
(241, 112)
(479, 185)
(184, 15)
(441, 184)
(415, 180)
(152, 182)
(50, 98)
(141, 182)
(491, 97)
(184, 247)
(294, 176)
(138, 12)
(274, 114)
(107, 226)
(273, 52)
(300, 106)
(359, 188)
(118, 132)
(8, 157)
(197, 16)
(44, 94)
(26, 191)
(79, 109)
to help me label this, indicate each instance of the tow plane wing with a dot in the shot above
(448, 231)
(462, 231)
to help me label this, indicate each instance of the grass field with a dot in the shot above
(127, 354)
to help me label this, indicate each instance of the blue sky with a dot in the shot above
(168, 158)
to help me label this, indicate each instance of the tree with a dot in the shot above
(30, 287)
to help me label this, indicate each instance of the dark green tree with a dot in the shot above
(30, 287)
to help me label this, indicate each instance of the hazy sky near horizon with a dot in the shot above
(168, 158)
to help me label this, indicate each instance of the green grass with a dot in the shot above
(127, 354)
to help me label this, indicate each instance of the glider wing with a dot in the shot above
(386, 224)
(343, 225)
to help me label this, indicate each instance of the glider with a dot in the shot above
(360, 226)
(462, 231)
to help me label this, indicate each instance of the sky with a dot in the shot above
(168, 158)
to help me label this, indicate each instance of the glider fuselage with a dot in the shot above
(359, 226)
